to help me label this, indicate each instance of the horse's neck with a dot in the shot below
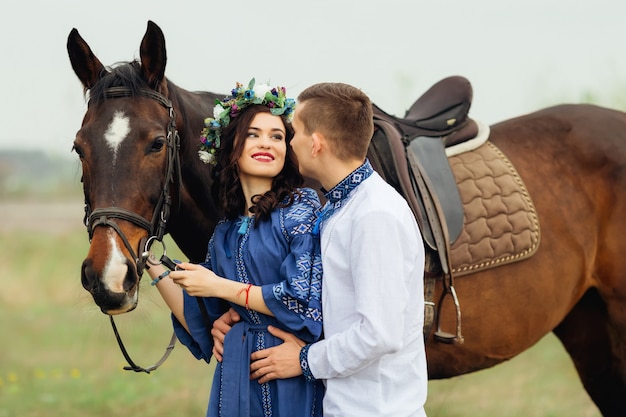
(193, 220)
(191, 226)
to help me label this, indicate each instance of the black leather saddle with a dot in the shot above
(438, 119)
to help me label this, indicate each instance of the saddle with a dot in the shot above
(437, 120)
(419, 170)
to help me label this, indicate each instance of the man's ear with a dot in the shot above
(318, 143)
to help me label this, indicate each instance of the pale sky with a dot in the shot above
(519, 56)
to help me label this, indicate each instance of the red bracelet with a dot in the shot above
(247, 295)
(247, 290)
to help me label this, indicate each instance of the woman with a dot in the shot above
(263, 259)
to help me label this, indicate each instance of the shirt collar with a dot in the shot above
(342, 190)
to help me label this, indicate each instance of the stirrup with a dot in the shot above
(445, 337)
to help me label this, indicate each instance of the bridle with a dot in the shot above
(157, 225)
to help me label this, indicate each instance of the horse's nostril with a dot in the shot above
(87, 275)
(131, 279)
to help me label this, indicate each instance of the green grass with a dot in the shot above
(541, 382)
(58, 355)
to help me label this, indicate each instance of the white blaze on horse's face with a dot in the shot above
(116, 268)
(117, 131)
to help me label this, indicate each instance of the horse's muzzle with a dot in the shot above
(102, 289)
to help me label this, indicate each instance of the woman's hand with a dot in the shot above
(197, 280)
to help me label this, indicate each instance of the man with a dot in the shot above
(372, 358)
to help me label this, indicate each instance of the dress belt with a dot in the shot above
(239, 343)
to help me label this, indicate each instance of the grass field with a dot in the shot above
(58, 355)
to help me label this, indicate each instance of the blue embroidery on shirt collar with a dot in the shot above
(337, 195)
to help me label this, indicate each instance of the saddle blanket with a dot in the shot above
(500, 222)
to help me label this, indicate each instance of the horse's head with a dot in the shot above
(128, 145)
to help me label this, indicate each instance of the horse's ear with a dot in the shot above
(153, 55)
(86, 65)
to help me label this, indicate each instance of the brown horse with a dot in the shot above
(142, 177)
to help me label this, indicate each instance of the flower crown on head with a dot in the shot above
(229, 107)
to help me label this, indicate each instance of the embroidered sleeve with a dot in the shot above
(304, 363)
(296, 299)
(198, 340)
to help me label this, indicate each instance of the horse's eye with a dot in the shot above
(78, 151)
(158, 144)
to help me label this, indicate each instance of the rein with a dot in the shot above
(156, 227)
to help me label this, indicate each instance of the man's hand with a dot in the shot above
(278, 362)
(222, 326)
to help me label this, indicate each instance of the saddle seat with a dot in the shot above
(442, 111)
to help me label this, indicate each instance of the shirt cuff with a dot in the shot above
(304, 363)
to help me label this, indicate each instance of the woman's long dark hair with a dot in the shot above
(227, 191)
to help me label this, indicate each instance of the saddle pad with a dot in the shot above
(500, 222)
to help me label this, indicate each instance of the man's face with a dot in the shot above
(302, 144)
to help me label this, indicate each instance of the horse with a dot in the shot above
(142, 178)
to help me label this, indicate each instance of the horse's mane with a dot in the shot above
(122, 74)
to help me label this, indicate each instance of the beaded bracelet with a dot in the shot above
(160, 277)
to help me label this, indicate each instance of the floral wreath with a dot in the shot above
(229, 107)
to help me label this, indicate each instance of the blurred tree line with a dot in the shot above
(35, 174)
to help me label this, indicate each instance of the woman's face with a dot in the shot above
(265, 148)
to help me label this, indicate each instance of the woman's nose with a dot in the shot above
(264, 142)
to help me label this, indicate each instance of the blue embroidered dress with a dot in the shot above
(283, 256)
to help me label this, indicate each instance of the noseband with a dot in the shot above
(156, 227)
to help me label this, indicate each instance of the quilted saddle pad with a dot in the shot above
(500, 222)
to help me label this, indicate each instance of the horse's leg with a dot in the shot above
(603, 369)
(586, 334)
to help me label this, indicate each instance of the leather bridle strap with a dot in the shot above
(133, 366)
(101, 217)
(120, 92)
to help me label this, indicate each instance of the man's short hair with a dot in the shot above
(342, 113)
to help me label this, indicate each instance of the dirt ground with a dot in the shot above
(44, 217)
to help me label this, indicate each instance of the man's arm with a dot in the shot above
(278, 362)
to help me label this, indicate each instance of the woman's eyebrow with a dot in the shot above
(275, 129)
